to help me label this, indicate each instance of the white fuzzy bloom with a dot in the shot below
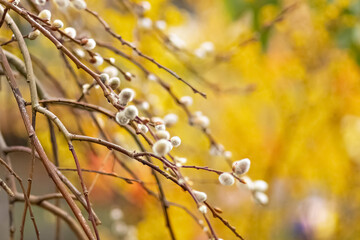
(203, 209)
(241, 167)
(70, 31)
(249, 183)
(145, 23)
(208, 47)
(198, 113)
(201, 121)
(144, 105)
(85, 88)
(261, 198)
(200, 196)
(260, 186)
(126, 95)
(112, 71)
(216, 149)
(162, 147)
(186, 100)
(131, 112)
(226, 179)
(152, 77)
(112, 60)
(145, 5)
(34, 34)
(45, 15)
(170, 119)
(161, 25)
(160, 127)
(16, 2)
(116, 214)
(90, 44)
(121, 118)
(180, 160)
(98, 60)
(163, 134)
(228, 154)
(62, 3)
(158, 121)
(58, 23)
(177, 41)
(175, 141)
(144, 129)
(181, 181)
(200, 53)
(128, 75)
(120, 228)
(40, 2)
(104, 77)
(79, 52)
(79, 4)
(114, 82)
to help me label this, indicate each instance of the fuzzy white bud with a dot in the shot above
(241, 167)
(261, 198)
(79, 52)
(85, 88)
(226, 179)
(34, 34)
(131, 112)
(116, 214)
(70, 31)
(260, 185)
(146, 6)
(112, 60)
(175, 141)
(201, 121)
(208, 47)
(58, 23)
(144, 105)
(112, 71)
(177, 41)
(160, 127)
(249, 183)
(162, 147)
(145, 23)
(98, 60)
(186, 101)
(227, 154)
(114, 82)
(90, 44)
(40, 2)
(152, 77)
(203, 209)
(161, 25)
(128, 75)
(121, 118)
(79, 4)
(62, 3)
(170, 119)
(158, 121)
(126, 95)
(200, 196)
(163, 134)
(45, 15)
(200, 53)
(104, 77)
(180, 160)
(144, 129)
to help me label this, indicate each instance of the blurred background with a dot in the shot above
(283, 89)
